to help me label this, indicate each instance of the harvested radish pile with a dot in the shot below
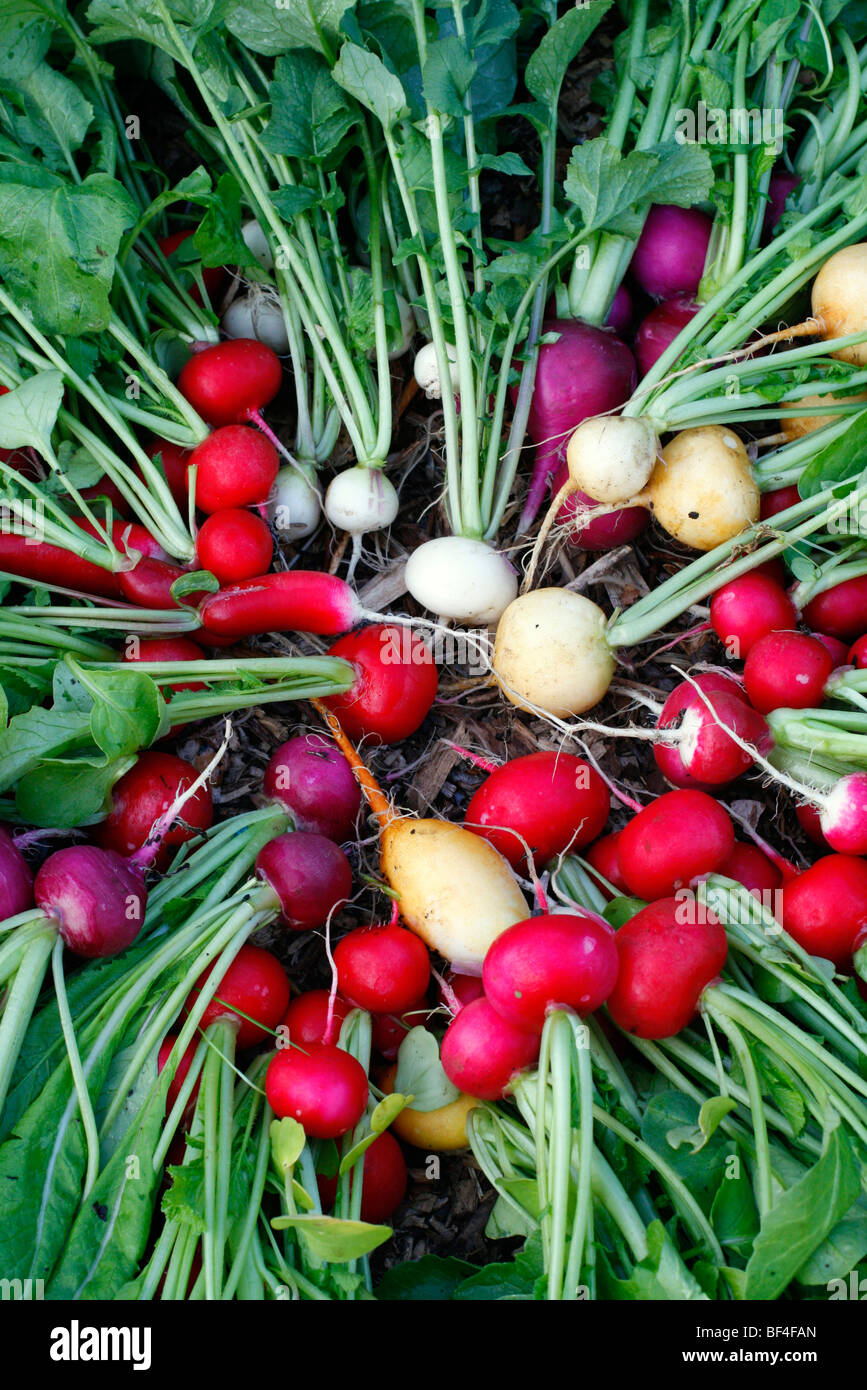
(433, 650)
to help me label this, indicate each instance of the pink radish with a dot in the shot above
(787, 670)
(560, 960)
(322, 1087)
(547, 801)
(236, 466)
(234, 544)
(825, 907)
(312, 780)
(659, 330)
(666, 961)
(838, 651)
(679, 837)
(748, 608)
(482, 1053)
(310, 875)
(16, 880)
(600, 532)
(700, 749)
(670, 255)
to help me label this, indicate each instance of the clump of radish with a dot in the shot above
(666, 961)
(384, 969)
(560, 960)
(295, 503)
(787, 670)
(547, 801)
(396, 685)
(678, 838)
(321, 1086)
(460, 578)
(482, 1053)
(310, 875)
(312, 780)
(670, 255)
(253, 994)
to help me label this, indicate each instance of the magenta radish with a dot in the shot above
(825, 907)
(838, 651)
(482, 1053)
(697, 747)
(236, 466)
(96, 897)
(231, 382)
(310, 875)
(548, 802)
(843, 814)
(396, 685)
(142, 796)
(621, 311)
(778, 501)
(678, 838)
(782, 184)
(787, 670)
(253, 994)
(671, 251)
(234, 544)
(748, 608)
(600, 532)
(659, 330)
(292, 601)
(840, 611)
(315, 1017)
(750, 867)
(311, 779)
(16, 880)
(322, 1087)
(667, 957)
(383, 969)
(557, 960)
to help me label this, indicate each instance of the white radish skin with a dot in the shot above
(427, 372)
(295, 505)
(256, 241)
(361, 499)
(702, 491)
(840, 299)
(257, 314)
(455, 891)
(612, 457)
(796, 426)
(462, 579)
(551, 653)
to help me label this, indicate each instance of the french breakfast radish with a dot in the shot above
(396, 684)
(321, 1086)
(547, 801)
(556, 960)
(143, 795)
(482, 1052)
(666, 960)
(253, 994)
(229, 383)
(291, 601)
(382, 968)
(234, 544)
(310, 875)
(678, 838)
(312, 780)
(236, 466)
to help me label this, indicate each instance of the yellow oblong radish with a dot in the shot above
(703, 491)
(434, 1131)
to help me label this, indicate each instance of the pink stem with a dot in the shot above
(451, 1000)
(484, 763)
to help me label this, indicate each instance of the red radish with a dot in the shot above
(180, 1076)
(748, 866)
(666, 961)
(482, 1052)
(659, 330)
(778, 501)
(810, 822)
(389, 1030)
(166, 649)
(16, 880)
(307, 1016)
(254, 991)
(312, 780)
(604, 858)
(838, 651)
(383, 969)
(843, 817)
(293, 601)
(620, 314)
(557, 960)
(322, 1087)
(383, 1181)
(748, 608)
(857, 655)
(230, 382)
(235, 467)
(548, 801)
(781, 185)
(701, 750)
(128, 537)
(97, 898)
(214, 277)
(462, 989)
(586, 371)
(310, 875)
(234, 544)
(670, 255)
(600, 532)
(787, 670)
(149, 585)
(825, 907)
(52, 564)
(175, 462)
(679, 837)
(396, 685)
(841, 611)
(143, 795)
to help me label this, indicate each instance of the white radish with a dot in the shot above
(256, 241)
(295, 504)
(460, 578)
(361, 499)
(257, 314)
(427, 373)
(611, 457)
(551, 653)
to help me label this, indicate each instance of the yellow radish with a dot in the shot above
(551, 652)
(703, 491)
(433, 1131)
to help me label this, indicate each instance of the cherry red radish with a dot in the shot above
(321, 1086)
(236, 466)
(841, 611)
(659, 330)
(307, 1017)
(143, 795)
(482, 1053)
(670, 254)
(310, 875)
(230, 382)
(16, 880)
(396, 685)
(383, 1181)
(750, 867)
(667, 958)
(166, 649)
(462, 990)
(838, 651)
(311, 779)
(253, 992)
(825, 907)
(547, 801)
(234, 544)
(383, 969)
(787, 670)
(810, 822)
(778, 501)
(214, 278)
(292, 601)
(748, 608)
(678, 838)
(600, 532)
(175, 462)
(701, 750)
(97, 898)
(604, 858)
(556, 960)
(387, 1031)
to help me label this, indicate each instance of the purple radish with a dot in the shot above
(310, 778)
(782, 183)
(660, 328)
(621, 311)
(16, 880)
(96, 897)
(602, 532)
(309, 874)
(670, 255)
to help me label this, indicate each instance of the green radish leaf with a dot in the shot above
(526, 1193)
(612, 191)
(271, 29)
(387, 1112)
(430, 1279)
(309, 112)
(622, 909)
(333, 1240)
(28, 413)
(734, 1213)
(66, 794)
(287, 1143)
(560, 45)
(127, 710)
(365, 77)
(515, 1279)
(505, 1222)
(184, 1200)
(218, 238)
(841, 460)
(36, 734)
(52, 116)
(196, 582)
(448, 74)
(841, 1251)
(25, 38)
(661, 1275)
(302, 1197)
(420, 1072)
(671, 1113)
(511, 164)
(290, 202)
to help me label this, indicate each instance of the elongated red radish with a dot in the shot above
(234, 544)
(143, 795)
(292, 601)
(679, 837)
(825, 907)
(556, 960)
(482, 1052)
(700, 749)
(322, 1087)
(787, 670)
(42, 561)
(312, 780)
(383, 969)
(97, 898)
(748, 866)
(253, 993)
(236, 466)
(840, 611)
(16, 880)
(396, 685)
(748, 608)
(149, 585)
(668, 956)
(230, 382)
(660, 328)
(310, 875)
(175, 462)
(547, 801)
(600, 532)
(670, 254)
(312, 1018)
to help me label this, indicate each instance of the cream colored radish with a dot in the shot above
(839, 299)
(702, 491)
(257, 314)
(796, 426)
(427, 373)
(551, 653)
(360, 499)
(256, 241)
(461, 578)
(295, 505)
(611, 457)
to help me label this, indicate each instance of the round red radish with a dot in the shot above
(310, 875)
(556, 960)
(670, 255)
(749, 866)
(387, 1031)
(547, 801)
(748, 608)
(143, 795)
(254, 991)
(235, 467)
(703, 751)
(604, 858)
(184, 1063)
(841, 611)
(668, 955)
(462, 990)
(857, 655)
(838, 651)
(659, 330)
(230, 382)
(677, 839)
(383, 969)
(165, 649)
(825, 907)
(600, 532)
(787, 670)
(97, 898)
(309, 776)
(175, 462)
(307, 1016)
(383, 1181)
(16, 880)
(322, 1087)
(396, 685)
(482, 1053)
(234, 544)
(843, 817)
(780, 500)
(810, 823)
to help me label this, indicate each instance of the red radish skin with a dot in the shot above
(293, 601)
(128, 537)
(311, 779)
(809, 821)
(234, 544)
(840, 612)
(670, 255)
(16, 880)
(482, 1053)
(306, 1019)
(659, 330)
(748, 866)
(604, 858)
(396, 685)
(149, 585)
(175, 462)
(383, 1181)
(254, 985)
(666, 961)
(548, 801)
(838, 651)
(180, 1076)
(857, 655)
(166, 649)
(787, 670)
(778, 501)
(677, 839)
(230, 382)
(236, 466)
(600, 532)
(310, 875)
(383, 969)
(704, 752)
(463, 989)
(322, 1087)
(556, 960)
(748, 608)
(825, 907)
(52, 564)
(143, 795)
(389, 1030)
(215, 278)
(97, 898)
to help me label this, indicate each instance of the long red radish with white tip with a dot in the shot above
(453, 889)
